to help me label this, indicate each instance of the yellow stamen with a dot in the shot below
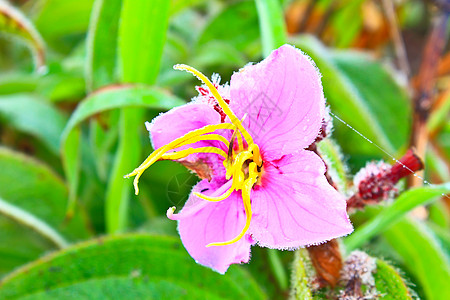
(206, 137)
(189, 151)
(158, 153)
(226, 109)
(216, 199)
(248, 185)
(244, 166)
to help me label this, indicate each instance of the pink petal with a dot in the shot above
(180, 120)
(295, 205)
(214, 222)
(283, 99)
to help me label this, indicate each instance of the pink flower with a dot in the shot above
(259, 183)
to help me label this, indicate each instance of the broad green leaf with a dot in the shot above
(352, 84)
(102, 43)
(422, 256)
(124, 267)
(236, 25)
(13, 22)
(388, 216)
(271, 24)
(34, 188)
(58, 18)
(389, 283)
(442, 234)
(33, 116)
(389, 106)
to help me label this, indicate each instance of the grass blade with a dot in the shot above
(404, 203)
(271, 23)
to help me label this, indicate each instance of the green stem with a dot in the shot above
(277, 268)
(126, 159)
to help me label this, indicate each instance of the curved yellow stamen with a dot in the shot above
(206, 137)
(189, 151)
(226, 109)
(216, 199)
(248, 185)
(158, 153)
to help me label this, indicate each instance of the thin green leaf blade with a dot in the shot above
(271, 23)
(403, 204)
(102, 43)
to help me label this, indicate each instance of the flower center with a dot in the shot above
(244, 165)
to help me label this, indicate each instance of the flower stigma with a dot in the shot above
(244, 165)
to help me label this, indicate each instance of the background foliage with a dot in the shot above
(79, 78)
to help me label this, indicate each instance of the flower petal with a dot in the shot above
(180, 120)
(295, 205)
(283, 99)
(214, 222)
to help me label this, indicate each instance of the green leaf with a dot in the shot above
(33, 116)
(98, 102)
(32, 187)
(142, 33)
(126, 160)
(177, 6)
(14, 23)
(58, 18)
(422, 256)
(271, 24)
(121, 97)
(388, 216)
(347, 22)
(102, 43)
(237, 26)
(218, 54)
(389, 283)
(71, 163)
(352, 84)
(124, 267)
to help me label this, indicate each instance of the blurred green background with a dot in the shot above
(80, 77)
